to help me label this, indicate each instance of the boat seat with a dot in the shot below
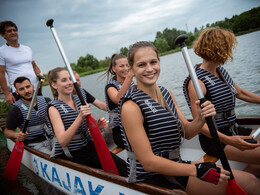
(204, 158)
(116, 150)
(208, 158)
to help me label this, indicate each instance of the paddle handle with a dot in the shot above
(107, 163)
(256, 133)
(39, 77)
(49, 23)
(209, 120)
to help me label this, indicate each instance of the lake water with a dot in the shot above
(245, 71)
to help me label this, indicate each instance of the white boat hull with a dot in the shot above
(68, 180)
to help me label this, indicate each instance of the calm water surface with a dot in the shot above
(245, 71)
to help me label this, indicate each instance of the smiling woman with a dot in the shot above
(115, 88)
(68, 120)
(152, 134)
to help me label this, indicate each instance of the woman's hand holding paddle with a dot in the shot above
(206, 109)
(209, 172)
(84, 111)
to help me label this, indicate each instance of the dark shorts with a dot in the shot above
(88, 156)
(117, 137)
(208, 146)
(169, 182)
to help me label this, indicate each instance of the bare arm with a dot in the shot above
(193, 128)
(101, 105)
(11, 134)
(115, 95)
(35, 68)
(246, 95)
(236, 141)
(65, 137)
(141, 146)
(9, 98)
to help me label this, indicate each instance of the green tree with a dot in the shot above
(161, 45)
(104, 63)
(124, 50)
(158, 35)
(164, 41)
(196, 30)
(73, 66)
(88, 62)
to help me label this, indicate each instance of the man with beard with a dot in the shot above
(38, 132)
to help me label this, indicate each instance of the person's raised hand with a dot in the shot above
(102, 123)
(206, 109)
(9, 98)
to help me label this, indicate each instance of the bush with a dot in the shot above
(4, 107)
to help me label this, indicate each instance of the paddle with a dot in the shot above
(103, 153)
(14, 162)
(232, 187)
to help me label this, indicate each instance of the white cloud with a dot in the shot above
(102, 27)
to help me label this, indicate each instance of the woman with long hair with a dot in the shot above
(116, 87)
(152, 126)
(68, 120)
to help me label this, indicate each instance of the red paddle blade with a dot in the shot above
(14, 162)
(104, 155)
(234, 189)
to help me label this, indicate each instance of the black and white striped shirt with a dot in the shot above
(68, 116)
(38, 117)
(221, 93)
(162, 128)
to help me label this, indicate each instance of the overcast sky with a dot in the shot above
(102, 27)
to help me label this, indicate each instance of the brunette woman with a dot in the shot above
(153, 124)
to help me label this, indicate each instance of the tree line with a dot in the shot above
(246, 22)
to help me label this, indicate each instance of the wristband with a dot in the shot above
(208, 171)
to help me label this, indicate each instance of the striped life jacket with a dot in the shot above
(114, 113)
(162, 127)
(221, 93)
(83, 94)
(68, 116)
(38, 125)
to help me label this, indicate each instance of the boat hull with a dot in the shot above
(73, 178)
(68, 180)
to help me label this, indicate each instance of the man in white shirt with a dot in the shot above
(16, 60)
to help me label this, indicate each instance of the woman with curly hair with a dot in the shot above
(214, 46)
(152, 125)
